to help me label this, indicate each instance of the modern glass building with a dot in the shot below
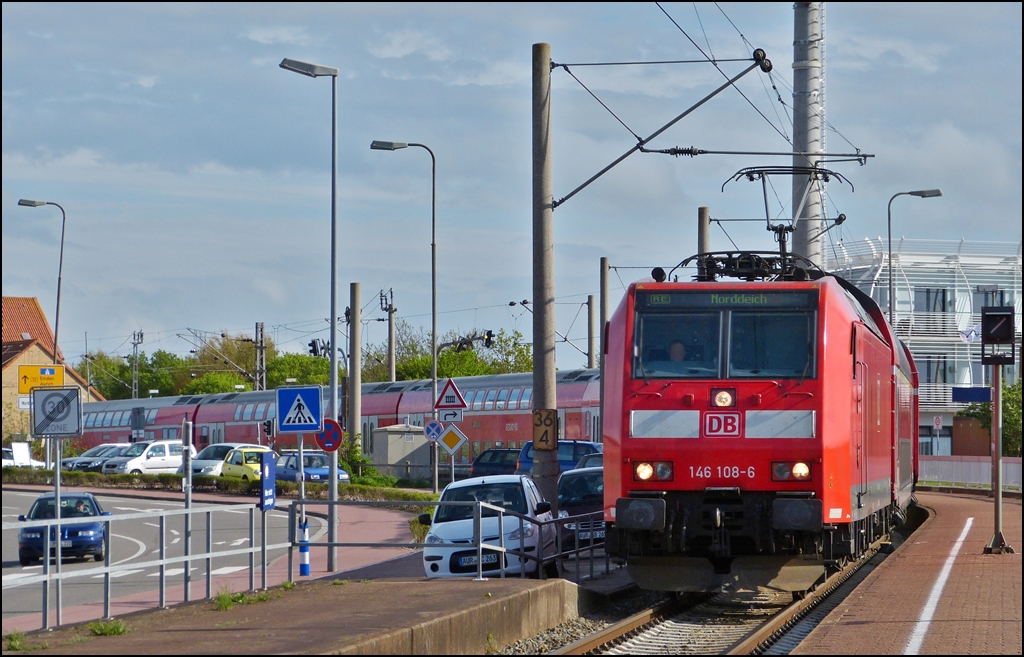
(940, 288)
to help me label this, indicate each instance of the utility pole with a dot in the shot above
(136, 341)
(260, 369)
(808, 115)
(591, 332)
(703, 240)
(545, 463)
(355, 364)
(604, 347)
(387, 304)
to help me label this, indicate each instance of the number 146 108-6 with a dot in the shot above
(721, 471)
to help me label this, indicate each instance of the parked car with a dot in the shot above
(594, 460)
(569, 454)
(148, 458)
(90, 456)
(315, 467)
(210, 461)
(494, 462)
(20, 455)
(78, 539)
(96, 465)
(450, 551)
(581, 491)
(244, 463)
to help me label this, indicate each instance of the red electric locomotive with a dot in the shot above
(757, 431)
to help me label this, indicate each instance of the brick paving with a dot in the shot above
(979, 611)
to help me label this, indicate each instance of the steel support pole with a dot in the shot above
(591, 332)
(252, 545)
(703, 239)
(807, 136)
(545, 464)
(263, 550)
(998, 544)
(605, 310)
(106, 564)
(209, 550)
(186, 445)
(392, 359)
(332, 520)
(58, 453)
(355, 363)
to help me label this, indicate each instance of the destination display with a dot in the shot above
(727, 299)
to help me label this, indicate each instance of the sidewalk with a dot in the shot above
(374, 525)
(976, 611)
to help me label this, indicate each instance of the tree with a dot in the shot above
(1011, 417)
(111, 375)
(305, 369)
(510, 353)
(214, 382)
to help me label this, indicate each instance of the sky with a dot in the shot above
(195, 172)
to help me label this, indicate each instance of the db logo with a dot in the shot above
(722, 424)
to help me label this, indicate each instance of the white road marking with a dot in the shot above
(171, 572)
(220, 542)
(120, 573)
(227, 570)
(141, 549)
(14, 576)
(152, 524)
(175, 541)
(174, 532)
(239, 541)
(921, 628)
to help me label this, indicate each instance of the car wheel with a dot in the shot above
(99, 556)
(134, 472)
(26, 560)
(245, 478)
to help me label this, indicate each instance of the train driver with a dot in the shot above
(677, 351)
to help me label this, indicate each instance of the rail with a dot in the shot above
(55, 578)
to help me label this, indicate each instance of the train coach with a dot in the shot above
(758, 432)
(499, 412)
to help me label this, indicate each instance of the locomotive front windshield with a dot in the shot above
(735, 335)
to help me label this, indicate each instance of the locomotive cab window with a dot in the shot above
(732, 334)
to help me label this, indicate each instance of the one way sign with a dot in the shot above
(299, 410)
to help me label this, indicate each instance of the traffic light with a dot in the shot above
(314, 348)
(489, 339)
(268, 427)
(997, 325)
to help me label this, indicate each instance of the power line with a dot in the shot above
(566, 67)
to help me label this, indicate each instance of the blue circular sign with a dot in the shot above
(330, 438)
(433, 429)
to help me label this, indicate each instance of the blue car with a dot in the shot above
(569, 454)
(315, 467)
(77, 539)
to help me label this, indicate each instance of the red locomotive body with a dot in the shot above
(756, 433)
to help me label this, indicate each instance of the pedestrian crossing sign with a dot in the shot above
(299, 410)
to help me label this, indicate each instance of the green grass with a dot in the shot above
(108, 628)
(225, 599)
(339, 582)
(15, 641)
(288, 586)
(419, 532)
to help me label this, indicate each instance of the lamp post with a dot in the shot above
(60, 267)
(921, 193)
(314, 71)
(394, 146)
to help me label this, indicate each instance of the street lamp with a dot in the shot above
(377, 145)
(921, 193)
(60, 268)
(314, 71)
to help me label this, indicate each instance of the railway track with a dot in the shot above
(734, 623)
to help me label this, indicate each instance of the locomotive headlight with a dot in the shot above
(790, 471)
(643, 471)
(723, 397)
(801, 471)
(781, 471)
(663, 471)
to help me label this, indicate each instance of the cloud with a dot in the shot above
(862, 52)
(293, 36)
(408, 42)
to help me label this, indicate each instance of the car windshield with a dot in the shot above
(581, 488)
(252, 457)
(213, 453)
(592, 461)
(313, 461)
(136, 450)
(566, 452)
(71, 506)
(96, 451)
(507, 495)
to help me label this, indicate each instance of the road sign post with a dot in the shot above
(448, 407)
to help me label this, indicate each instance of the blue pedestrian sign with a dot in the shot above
(299, 410)
(268, 480)
(432, 430)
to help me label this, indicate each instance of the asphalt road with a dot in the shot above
(138, 541)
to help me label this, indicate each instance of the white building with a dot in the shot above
(940, 288)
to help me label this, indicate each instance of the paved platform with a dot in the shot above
(906, 606)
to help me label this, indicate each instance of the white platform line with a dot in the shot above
(921, 627)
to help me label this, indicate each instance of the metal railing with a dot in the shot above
(56, 577)
(968, 471)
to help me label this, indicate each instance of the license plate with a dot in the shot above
(471, 561)
(314, 476)
(586, 535)
(65, 544)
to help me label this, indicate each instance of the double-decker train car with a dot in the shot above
(499, 412)
(757, 431)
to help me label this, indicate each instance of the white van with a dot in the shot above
(148, 458)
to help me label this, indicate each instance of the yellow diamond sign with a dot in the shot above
(452, 439)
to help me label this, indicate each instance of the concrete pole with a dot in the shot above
(392, 362)
(332, 470)
(703, 239)
(604, 347)
(807, 118)
(355, 365)
(545, 463)
(591, 332)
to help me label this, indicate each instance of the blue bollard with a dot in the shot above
(304, 551)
